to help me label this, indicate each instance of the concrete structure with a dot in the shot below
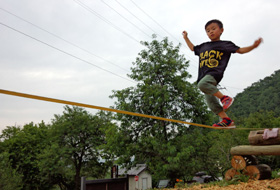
(144, 178)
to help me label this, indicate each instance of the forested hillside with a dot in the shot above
(263, 95)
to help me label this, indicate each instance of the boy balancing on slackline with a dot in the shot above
(213, 60)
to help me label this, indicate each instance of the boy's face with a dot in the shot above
(214, 31)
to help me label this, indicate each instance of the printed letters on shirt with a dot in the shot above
(210, 59)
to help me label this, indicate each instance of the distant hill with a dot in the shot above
(263, 95)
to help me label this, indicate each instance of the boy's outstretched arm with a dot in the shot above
(189, 43)
(250, 48)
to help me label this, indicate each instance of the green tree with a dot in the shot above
(219, 156)
(257, 107)
(23, 147)
(9, 132)
(260, 96)
(162, 90)
(9, 177)
(76, 138)
(262, 119)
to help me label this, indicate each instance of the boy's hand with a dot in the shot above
(185, 34)
(257, 42)
(250, 48)
(189, 43)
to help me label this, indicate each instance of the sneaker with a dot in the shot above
(226, 101)
(226, 122)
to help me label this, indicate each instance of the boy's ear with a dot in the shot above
(222, 30)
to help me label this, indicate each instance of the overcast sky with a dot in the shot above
(81, 50)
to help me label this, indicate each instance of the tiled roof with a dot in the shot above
(133, 171)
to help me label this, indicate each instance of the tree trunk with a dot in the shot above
(256, 150)
(240, 162)
(231, 173)
(257, 172)
(78, 178)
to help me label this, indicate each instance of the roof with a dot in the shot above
(133, 171)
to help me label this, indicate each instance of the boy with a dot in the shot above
(213, 60)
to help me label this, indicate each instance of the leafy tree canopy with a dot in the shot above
(260, 96)
(23, 147)
(76, 138)
(170, 149)
(9, 177)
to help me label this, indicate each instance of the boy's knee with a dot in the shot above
(208, 85)
(203, 86)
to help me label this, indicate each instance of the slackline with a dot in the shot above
(12, 93)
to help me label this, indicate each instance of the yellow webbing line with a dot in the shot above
(106, 109)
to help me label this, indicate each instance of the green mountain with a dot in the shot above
(263, 95)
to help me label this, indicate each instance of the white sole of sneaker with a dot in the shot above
(228, 127)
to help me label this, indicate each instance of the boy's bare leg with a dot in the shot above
(222, 114)
(226, 100)
(218, 94)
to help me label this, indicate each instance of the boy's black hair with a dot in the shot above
(220, 24)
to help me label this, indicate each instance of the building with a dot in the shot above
(139, 177)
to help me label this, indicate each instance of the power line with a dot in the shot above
(64, 52)
(126, 19)
(59, 38)
(162, 28)
(153, 20)
(227, 87)
(116, 27)
(113, 25)
(62, 39)
(104, 19)
(234, 87)
(137, 18)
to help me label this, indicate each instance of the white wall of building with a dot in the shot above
(144, 182)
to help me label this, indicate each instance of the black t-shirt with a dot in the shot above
(213, 58)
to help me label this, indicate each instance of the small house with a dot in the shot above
(138, 176)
